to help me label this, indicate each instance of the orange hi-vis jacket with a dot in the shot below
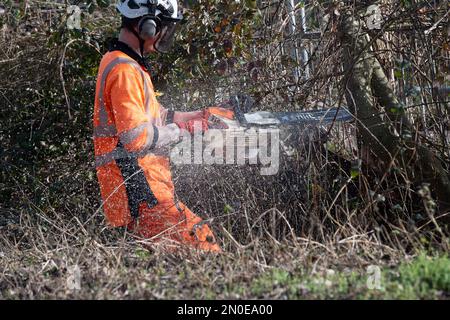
(134, 176)
(125, 123)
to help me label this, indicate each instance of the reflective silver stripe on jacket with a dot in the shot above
(121, 154)
(109, 130)
(129, 136)
(109, 157)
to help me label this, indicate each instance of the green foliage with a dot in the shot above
(212, 32)
(406, 3)
(227, 209)
(423, 278)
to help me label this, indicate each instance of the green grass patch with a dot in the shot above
(422, 278)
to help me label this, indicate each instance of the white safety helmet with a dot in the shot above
(157, 18)
(138, 8)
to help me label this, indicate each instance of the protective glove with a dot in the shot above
(193, 126)
(206, 114)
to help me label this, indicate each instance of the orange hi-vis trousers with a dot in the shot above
(171, 219)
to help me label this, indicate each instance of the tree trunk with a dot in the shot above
(391, 138)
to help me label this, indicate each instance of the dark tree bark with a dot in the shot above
(390, 137)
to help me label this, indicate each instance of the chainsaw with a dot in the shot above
(235, 113)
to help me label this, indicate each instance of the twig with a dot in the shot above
(61, 65)
(434, 26)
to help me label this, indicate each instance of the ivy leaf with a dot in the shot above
(398, 74)
(250, 4)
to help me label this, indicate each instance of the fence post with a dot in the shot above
(291, 6)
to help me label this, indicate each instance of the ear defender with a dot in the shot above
(147, 28)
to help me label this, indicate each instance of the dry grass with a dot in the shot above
(263, 224)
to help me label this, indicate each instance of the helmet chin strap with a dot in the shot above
(141, 41)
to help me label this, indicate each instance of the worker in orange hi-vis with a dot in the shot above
(132, 132)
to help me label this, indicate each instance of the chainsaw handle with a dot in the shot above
(234, 108)
(222, 112)
(237, 107)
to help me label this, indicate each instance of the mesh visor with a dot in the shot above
(166, 37)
